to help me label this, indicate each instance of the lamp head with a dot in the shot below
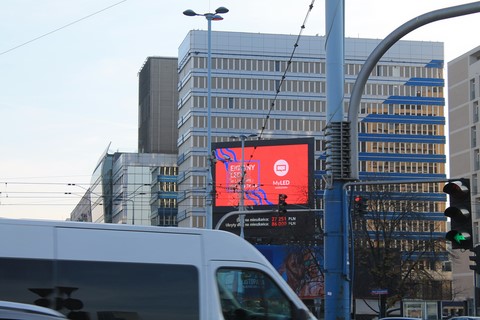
(221, 10)
(189, 13)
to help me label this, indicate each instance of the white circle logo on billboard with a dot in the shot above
(280, 167)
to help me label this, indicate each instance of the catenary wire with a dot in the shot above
(61, 28)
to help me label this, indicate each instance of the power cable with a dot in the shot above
(277, 91)
(289, 62)
(58, 29)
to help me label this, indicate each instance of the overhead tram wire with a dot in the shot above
(289, 62)
(61, 28)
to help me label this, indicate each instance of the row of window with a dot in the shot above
(312, 86)
(397, 167)
(315, 67)
(374, 89)
(312, 126)
(256, 124)
(402, 128)
(404, 187)
(164, 203)
(402, 147)
(313, 106)
(293, 105)
(402, 109)
(167, 171)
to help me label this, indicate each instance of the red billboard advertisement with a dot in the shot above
(270, 168)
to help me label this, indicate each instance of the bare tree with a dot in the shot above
(399, 246)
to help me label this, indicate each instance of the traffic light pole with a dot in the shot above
(378, 53)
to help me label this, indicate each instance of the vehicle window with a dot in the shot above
(251, 294)
(88, 290)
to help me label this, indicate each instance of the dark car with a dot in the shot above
(21, 311)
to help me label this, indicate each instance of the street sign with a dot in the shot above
(379, 291)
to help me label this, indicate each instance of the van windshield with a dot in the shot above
(251, 294)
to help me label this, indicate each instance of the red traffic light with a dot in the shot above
(456, 189)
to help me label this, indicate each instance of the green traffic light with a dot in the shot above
(459, 237)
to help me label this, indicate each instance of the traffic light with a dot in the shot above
(459, 212)
(282, 204)
(476, 259)
(359, 205)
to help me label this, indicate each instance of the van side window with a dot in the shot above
(251, 294)
(94, 290)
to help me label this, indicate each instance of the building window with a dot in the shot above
(474, 184)
(472, 89)
(473, 133)
(476, 162)
(475, 111)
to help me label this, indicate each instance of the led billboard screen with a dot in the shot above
(271, 167)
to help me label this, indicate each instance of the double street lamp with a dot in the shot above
(209, 184)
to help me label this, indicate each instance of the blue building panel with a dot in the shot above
(409, 138)
(435, 63)
(426, 82)
(414, 100)
(396, 118)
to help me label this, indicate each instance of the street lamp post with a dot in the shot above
(241, 204)
(209, 187)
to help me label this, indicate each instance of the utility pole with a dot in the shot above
(336, 265)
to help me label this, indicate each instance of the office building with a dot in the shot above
(131, 188)
(258, 87)
(464, 128)
(401, 110)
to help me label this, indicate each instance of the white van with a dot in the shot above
(105, 271)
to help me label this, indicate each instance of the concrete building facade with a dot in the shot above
(464, 128)
(401, 111)
(157, 106)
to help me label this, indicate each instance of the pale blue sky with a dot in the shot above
(66, 96)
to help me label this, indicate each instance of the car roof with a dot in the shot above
(23, 311)
(464, 318)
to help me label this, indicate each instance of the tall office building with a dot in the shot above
(157, 107)
(464, 111)
(258, 87)
(401, 110)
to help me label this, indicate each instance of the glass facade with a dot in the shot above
(124, 190)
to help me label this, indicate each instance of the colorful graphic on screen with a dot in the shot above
(301, 267)
(269, 170)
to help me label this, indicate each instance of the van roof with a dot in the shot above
(69, 240)
(104, 226)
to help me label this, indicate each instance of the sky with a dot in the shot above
(69, 76)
